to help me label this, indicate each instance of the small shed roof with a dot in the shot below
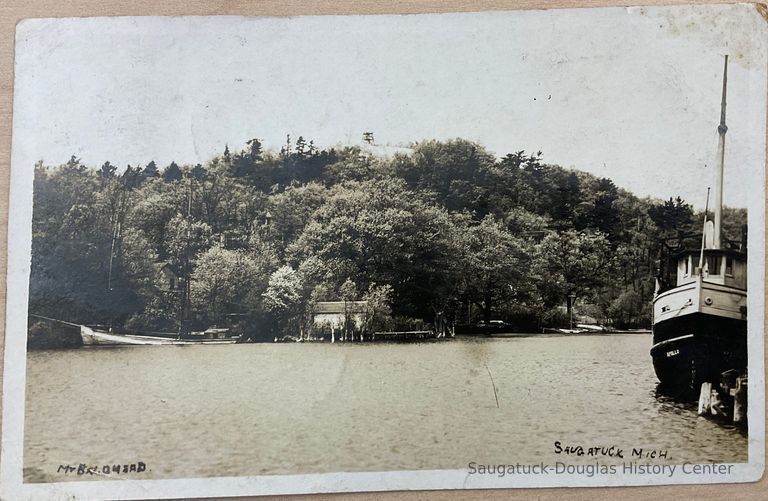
(340, 306)
(162, 265)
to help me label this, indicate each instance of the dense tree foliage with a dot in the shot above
(443, 233)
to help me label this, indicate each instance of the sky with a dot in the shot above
(630, 94)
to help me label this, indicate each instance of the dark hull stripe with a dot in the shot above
(695, 348)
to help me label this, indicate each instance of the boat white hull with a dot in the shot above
(700, 297)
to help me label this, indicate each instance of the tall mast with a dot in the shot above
(721, 130)
(186, 292)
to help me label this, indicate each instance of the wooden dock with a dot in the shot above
(404, 336)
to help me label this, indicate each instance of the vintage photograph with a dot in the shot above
(488, 249)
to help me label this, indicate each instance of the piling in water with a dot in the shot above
(726, 401)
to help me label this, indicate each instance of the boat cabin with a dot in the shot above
(213, 333)
(720, 266)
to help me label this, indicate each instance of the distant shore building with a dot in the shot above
(339, 316)
(167, 278)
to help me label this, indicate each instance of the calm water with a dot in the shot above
(304, 408)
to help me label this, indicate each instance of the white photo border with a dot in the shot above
(11, 461)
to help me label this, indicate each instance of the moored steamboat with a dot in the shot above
(700, 324)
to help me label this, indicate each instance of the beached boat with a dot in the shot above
(591, 328)
(700, 324)
(96, 337)
(557, 330)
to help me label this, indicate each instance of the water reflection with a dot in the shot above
(670, 404)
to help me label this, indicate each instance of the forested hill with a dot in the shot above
(443, 232)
